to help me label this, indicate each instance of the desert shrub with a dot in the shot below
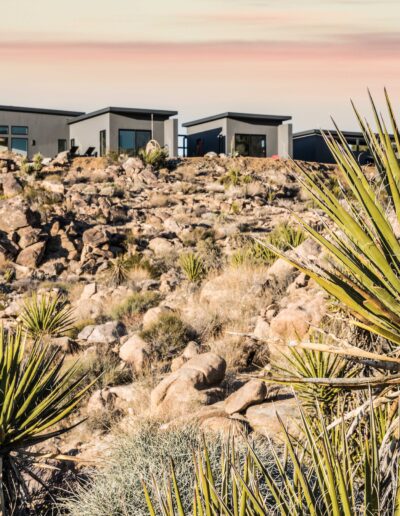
(41, 196)
(210, 252)
(167, 336)
(36, 395)
(121, 268)
(154, 155)
(235, 177)
(136, 303)
(117, 489)
(192, 266)
(46, 315)
(37, 162)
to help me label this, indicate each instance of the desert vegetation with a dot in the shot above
(201, 336)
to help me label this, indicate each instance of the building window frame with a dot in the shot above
(19, 130)
(250, 136)
(18, 150)
(62, 145)
(134, 149)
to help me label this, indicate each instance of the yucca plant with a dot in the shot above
(154, 154)
(36, 395)
(192, 266)
(119, 267)
(319, 477)
(46, 315)
(361, 241)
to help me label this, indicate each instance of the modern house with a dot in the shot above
(125, 130)
(247, 134)
(310, 146)
(30, 130)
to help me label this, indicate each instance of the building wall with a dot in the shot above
(44, 129)
(239, 127)
(87, 132)
(312, 148)
(213, 134)
(118, 122)
(285, 140)
(171, 136)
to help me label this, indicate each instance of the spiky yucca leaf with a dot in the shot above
(321, 476)
(192, 266)
(365, 268)
(46, 315)
(36, 394)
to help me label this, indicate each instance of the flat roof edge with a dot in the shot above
(122, 111)
(232, 114)
(41, 111)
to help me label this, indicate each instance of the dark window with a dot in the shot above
(251, 145)
(19, 146)
(3, 144)
(72, 142)
(103, 135)
(130, 141)
(19, 129)
(33, 143)
(3, 129)
(62, 145)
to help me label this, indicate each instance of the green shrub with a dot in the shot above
(167, 336)
(154, 155)
(136, 303)
(235, 177)
(36, 395)
(47, 315)
(37, 162)
(192, 266)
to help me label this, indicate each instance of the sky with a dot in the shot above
(305, 58)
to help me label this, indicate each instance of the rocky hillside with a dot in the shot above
(175, 299)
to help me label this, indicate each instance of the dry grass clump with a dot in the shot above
(139, 453)
(159, 200)
(135, 304)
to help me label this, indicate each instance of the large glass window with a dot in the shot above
(19, 146)
(103, 135)
(254, 145)
(130, 141)
(62, 145)
(3, 144)
(19, 129)
(3, 129)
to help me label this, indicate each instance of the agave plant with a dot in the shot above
(362, 242)
(192, 266)
(36, 395)
(321, 476)
(46, 315)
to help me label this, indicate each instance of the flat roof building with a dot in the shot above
(244, 133)
(311, 146)
(124, 130)
(28, 131)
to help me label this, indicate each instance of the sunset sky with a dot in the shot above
(305, 58)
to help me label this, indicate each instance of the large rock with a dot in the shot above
(8, 250)
(11, 185)
(28, 236)
(153, 315)
(263, 418)
(161, 246)
(15, 214)
(190, 387)
(32, 255)
(251, 393)
(108, 333)
(135, 351)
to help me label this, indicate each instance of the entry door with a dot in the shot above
(254, 145)
(19, 146)
(103, 143)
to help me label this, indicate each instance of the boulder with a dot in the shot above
(252, 392)
(135, 351)
(28, 236)
(32, 255)
(191, 350)
(153, 315)
(161, 246)
(11, 185)
(108, 333)
(190, 387)
(132, 164)
(290, 324)
(15, 214)
(263, 418)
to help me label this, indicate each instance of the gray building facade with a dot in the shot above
(246, 134)
(28, 131)
(124, 130)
